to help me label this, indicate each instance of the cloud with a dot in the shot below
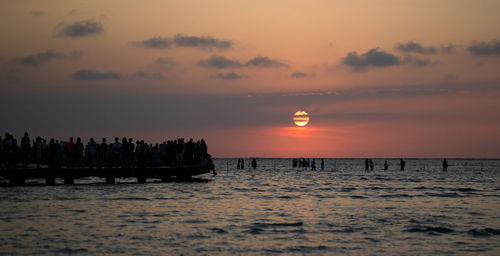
(180, 40)
(371, 58)
(91, 75)
(82, 28)
(266, 62)
(415, 47)
(40, 58)
(166, 61)
(37, 13)
(301, 75)
(229, 76)
(447, 49)
(155, 42)
(418, 62)
(147, 75)
(219, 62)
(203, 42)
(485, 48)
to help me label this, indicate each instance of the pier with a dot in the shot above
(18, 176)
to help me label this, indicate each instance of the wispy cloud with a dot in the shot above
(155, 42)
(262, 61)
(181, 40)
(203, 42)
(82, 28)
(92, 75)
(415, 47)
(219, 62)
(41, 58)
(229, 76)
(301, 75)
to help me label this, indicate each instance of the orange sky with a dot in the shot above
(378, 78)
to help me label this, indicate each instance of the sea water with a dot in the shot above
(274, 209)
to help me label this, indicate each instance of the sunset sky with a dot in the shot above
(378, 78)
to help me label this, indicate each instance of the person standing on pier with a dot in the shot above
(26, 149)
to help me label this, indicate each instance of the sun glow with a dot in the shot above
(301, 118)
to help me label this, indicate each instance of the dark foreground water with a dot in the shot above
(275, 209)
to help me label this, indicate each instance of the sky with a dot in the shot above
(378, 78)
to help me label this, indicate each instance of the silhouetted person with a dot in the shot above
(242, 164)
(371, 165)
(445, 165)
(239, 164)
(313, 164)
(254, 163)
(26, 149)
(69, 148)
(367, 164)
(322, 164)
(386, 165)
(402, 163)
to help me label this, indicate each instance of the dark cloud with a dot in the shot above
(83, 28)
(155, 42)
(372, 58)
(91, 75)
(39, 59)
(203, 42)
(147, 75)
(415, 47)
(229, 76)
(219, 62)
(265, 62)
(166, 61)
(485, 48)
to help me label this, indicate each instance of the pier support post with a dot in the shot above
(70, 180)
(50, 180)
(141, 179)
(110, 180)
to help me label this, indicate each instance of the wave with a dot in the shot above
(438, 229)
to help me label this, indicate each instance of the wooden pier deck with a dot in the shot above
(18, 176)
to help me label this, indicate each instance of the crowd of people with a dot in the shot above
(119, 153)
(307, 163)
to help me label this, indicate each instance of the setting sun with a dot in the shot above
(301, 118)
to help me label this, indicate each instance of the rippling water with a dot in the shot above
(275, 209)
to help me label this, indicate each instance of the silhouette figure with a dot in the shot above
(402, 163)
(313, 165)
(386, 165)
(322, 164)
(445, 165)
(254, 163)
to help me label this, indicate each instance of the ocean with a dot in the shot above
(273, 210)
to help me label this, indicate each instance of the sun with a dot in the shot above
(301, 118)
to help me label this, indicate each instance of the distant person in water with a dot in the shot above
(322, 164)
(242, 165)
(386, 165)
(367, 165)
(402, 163)
(371, 165)
(313, 165)
(445, 165)
(238, 166)
(254, 163)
